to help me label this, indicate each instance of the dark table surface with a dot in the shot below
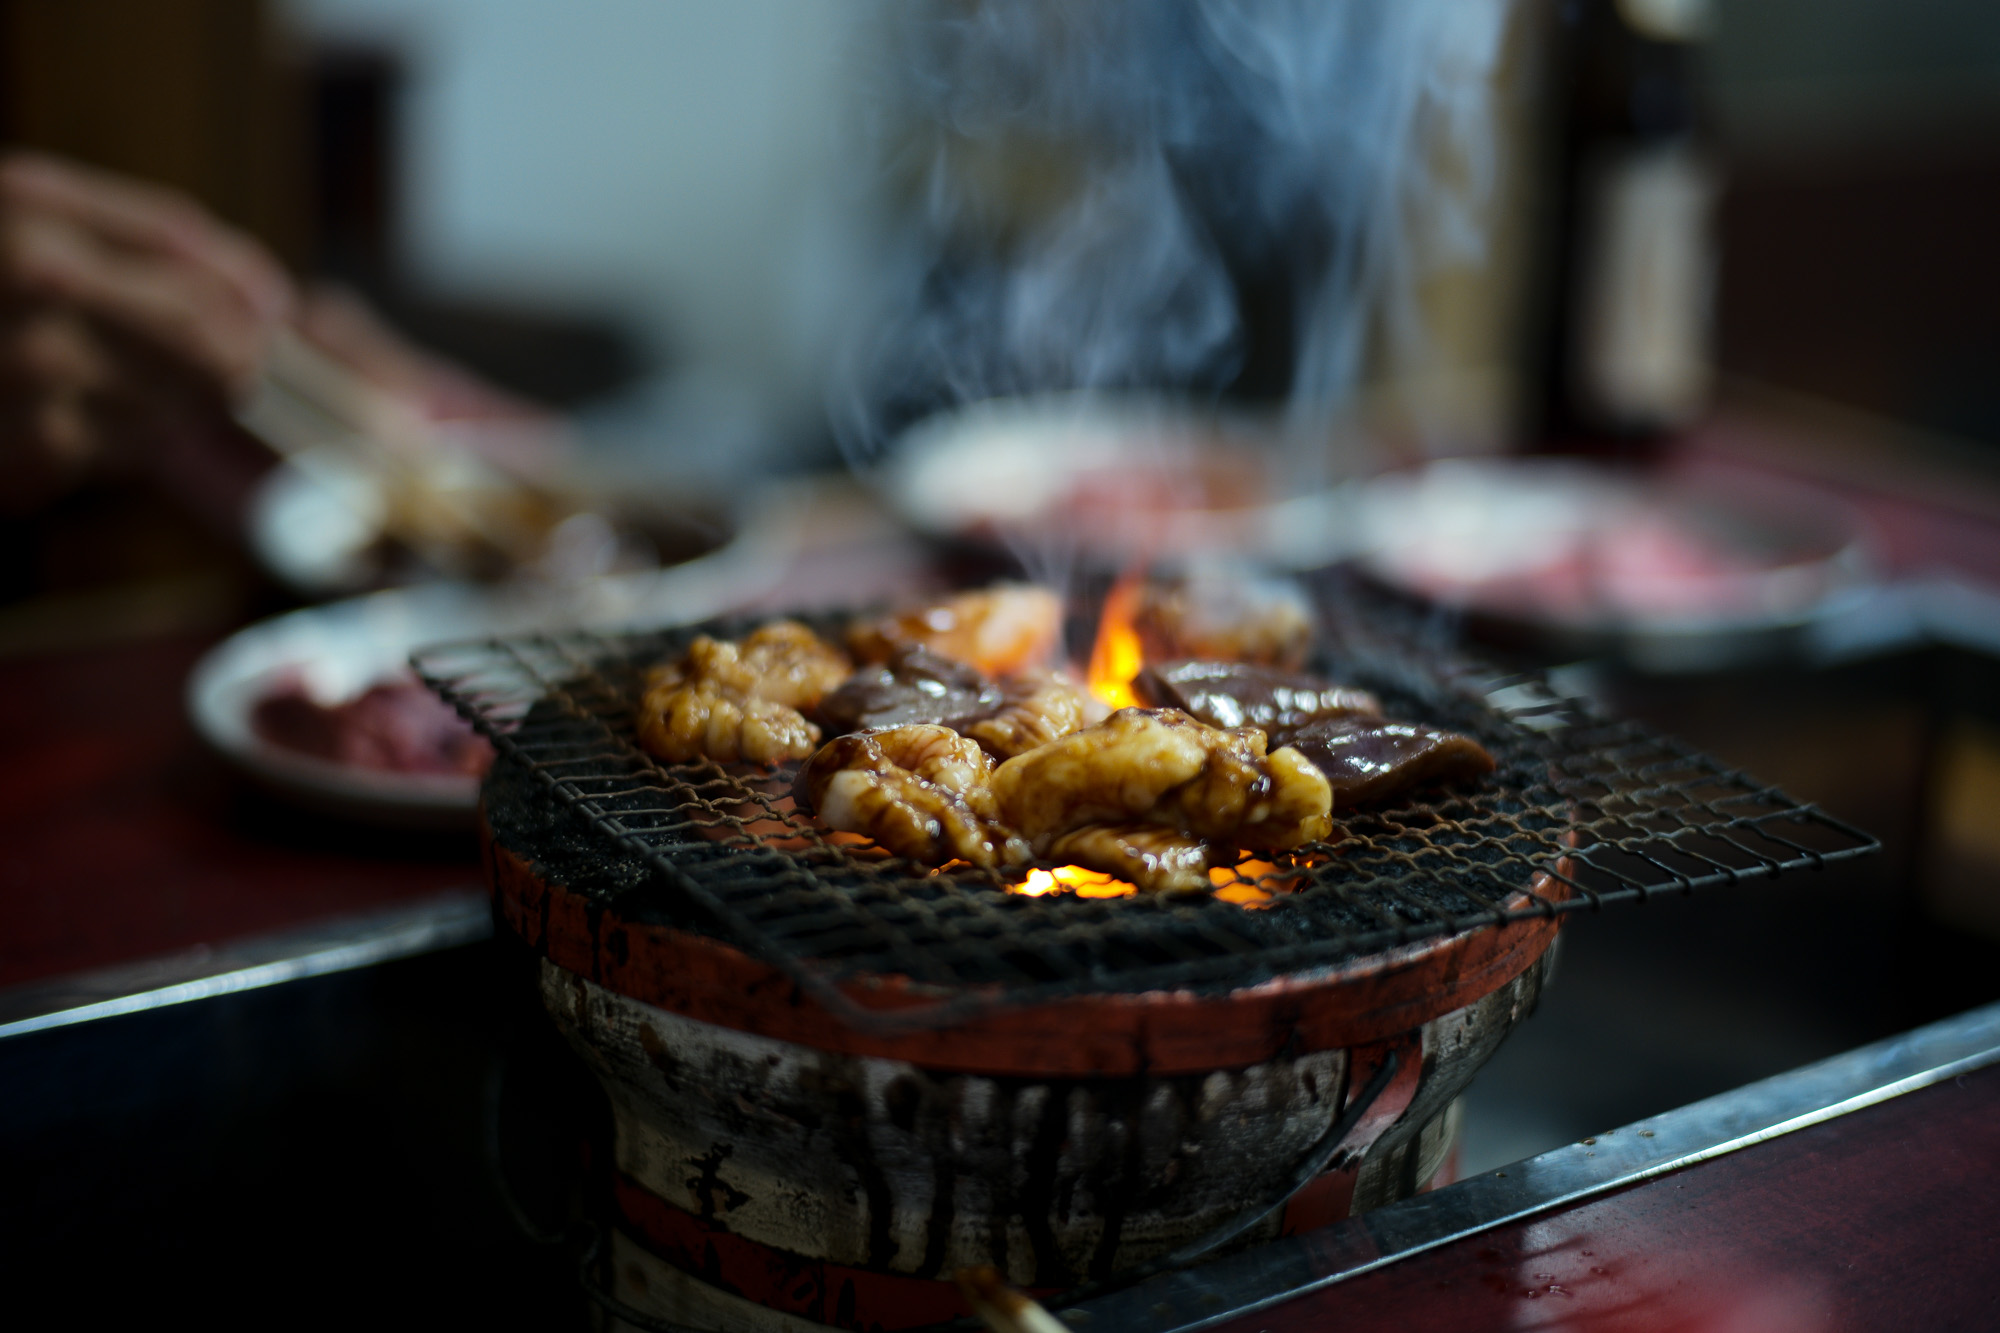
(1880, 1219)
(126, 839)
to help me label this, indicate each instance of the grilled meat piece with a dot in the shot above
(919, 791)
(682, 723)
(1369, 759)
(1225, 616)
(1036, 707)
(1364, 756)
(1160, 766)
(1000, 629)
(914, 685)
(1238, 694)
(740, 701)
(1153, 857)
(1251, 798)
(782, 661)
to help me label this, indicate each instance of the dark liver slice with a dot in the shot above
(1370, 759)
(914, 685)
(1239, 694)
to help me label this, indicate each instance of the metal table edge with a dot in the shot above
(440, 921)
(1283, 1270)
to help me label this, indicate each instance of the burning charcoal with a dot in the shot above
(1000, 629)
(914, 685)
(919, 791)
(1160, 766)
(1237, 694)
(730, 701)
(1155, 858)
(1225, 617)
(1368, 759)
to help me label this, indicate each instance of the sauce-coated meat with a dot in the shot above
(1160, 766)
(1225, 616)
(1036, 707)
(1364, 756)
(1005, 628)
(914, 685)
(730, 701)
(920, 791)
(1239, 694)
(1369, 759)
(1152, 857)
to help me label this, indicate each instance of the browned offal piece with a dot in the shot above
(1156, 858)
(1368, 759)
(1364, 756)
(913, 685)
(916, 685)
(1159, 766)
(1241, 694)
(731, 701)
(999, 630)
(920, 791)
(1229, 616)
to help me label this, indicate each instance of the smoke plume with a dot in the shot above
(1207, 197)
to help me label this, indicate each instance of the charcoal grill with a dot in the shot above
(838, 1075)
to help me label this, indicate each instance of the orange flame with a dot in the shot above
(1083, 883)
(1117, 656)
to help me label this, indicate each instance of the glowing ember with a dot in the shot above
(1083, 883)
(1116, 656)
(1238, 883)
(1242, 894)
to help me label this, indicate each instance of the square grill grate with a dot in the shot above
(1583, 811)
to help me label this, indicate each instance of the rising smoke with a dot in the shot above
(1209, 197)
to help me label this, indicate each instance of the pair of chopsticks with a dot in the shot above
(444, 502)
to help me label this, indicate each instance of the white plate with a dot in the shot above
(338, 650)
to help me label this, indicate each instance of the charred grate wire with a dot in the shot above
(1583, 811)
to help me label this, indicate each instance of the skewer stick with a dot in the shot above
(1003, 1307)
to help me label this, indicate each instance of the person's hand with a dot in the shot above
(126, 311)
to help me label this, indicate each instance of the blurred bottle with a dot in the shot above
(1624, 347)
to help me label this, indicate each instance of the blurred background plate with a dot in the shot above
(336, 652)
(1115, 479)
(320, 522)
(1584, 559)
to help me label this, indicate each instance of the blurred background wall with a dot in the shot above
(687, 167)
(1862, 139)
(575, 196)
(197, 94)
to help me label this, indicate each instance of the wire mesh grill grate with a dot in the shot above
(1583, 811)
